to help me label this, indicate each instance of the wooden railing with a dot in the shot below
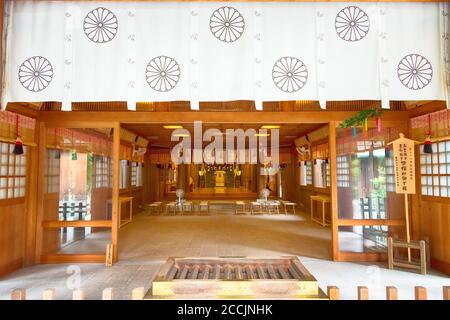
(333, 292)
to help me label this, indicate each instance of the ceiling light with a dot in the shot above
(270, 126)
(173, 127)
(182, 135)
(262, 134)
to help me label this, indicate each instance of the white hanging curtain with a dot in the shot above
(156, 51)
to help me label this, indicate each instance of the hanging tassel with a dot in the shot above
(379, 124)
(354, 132)
(18, 146)
(427, 145)
(345, 134)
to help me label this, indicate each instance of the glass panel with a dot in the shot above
(363, 238)
(436, 192)
(86, 240)
(71, 175)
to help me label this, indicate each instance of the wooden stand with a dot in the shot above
(421, 265)
(323, 200)
(234, 278)
(122, 200)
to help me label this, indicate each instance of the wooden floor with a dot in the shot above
(151, 238)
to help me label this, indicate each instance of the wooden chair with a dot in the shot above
(239, 207)
(187, 206)
(203, 207)
(155, 207)
(171, 206)
(273, 207)
(256, 207)
(287, 205)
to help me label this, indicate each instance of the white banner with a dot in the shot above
(156, 51)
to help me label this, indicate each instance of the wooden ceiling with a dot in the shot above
(160, 137)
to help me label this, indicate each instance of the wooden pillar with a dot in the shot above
(19, 294)
(333, 190)
(78, 295)
(420, 293)
(49, 294)
(32, 200)
(363, 293)
(1, 54)
(333, 293)
(391, 293)
(446, 292)
(108, 294)
(138, 293)
(115, 190)
(40, 171)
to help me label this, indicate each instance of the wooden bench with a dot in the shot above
(239, 207)
(203, 207)
(155, 207)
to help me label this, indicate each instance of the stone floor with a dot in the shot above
(147, 242)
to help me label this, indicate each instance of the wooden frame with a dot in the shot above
(256, 0)
(432, 174)
(42, 225)
(95, 119)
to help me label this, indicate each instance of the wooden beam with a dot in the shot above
(66, 224)
(333, 190)
(371, 222)
(431, 1)
(73, 258)
(98, 119)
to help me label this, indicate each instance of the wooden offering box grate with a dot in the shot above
(234, 277)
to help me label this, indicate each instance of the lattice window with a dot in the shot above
(302, 173)
(328, 174)
(435, 170)
(136, 174)
(390, 174)
(12, 172)
(343, 171)
(52, 171)
(308, 173)
(102, 171)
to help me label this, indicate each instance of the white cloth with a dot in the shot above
(207, 65)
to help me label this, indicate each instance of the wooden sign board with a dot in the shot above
(405, 179)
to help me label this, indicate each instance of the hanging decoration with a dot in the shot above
(18, 146)
(427, 148)
(361, 119)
